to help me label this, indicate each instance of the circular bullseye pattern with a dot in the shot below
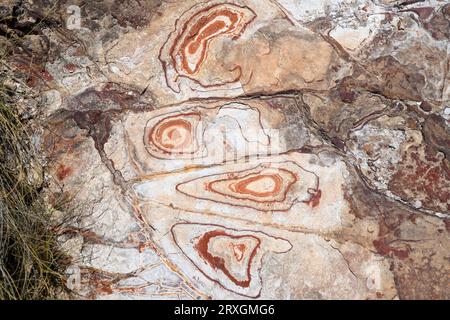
(174, 136)
(264, 185)
(186, 49)
(232, 258)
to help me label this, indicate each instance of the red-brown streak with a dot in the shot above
(315, 200)
(317, 192)
(162, 125)
(63, 172)
(197, 27)
(241, 186)
(220, 226)
(177, 123)
(195, 39)
(218, 262)
(210, 186)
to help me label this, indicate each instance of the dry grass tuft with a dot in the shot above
(31, 267)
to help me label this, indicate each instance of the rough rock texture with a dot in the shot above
(277, 149)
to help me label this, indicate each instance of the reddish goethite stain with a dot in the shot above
(242, 186)
(70, 67)
(238, 250)
(175, 134)
(315, 199)
(103, 287)
(385, 249)
(187, 48)
(174, 130)
(63, 172)
(196, 42)
(429, 180)
(46, 75)
(34, 77)
(263, 188)
(219, 262)
(211, 29)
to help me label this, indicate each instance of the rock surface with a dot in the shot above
(277, 149)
